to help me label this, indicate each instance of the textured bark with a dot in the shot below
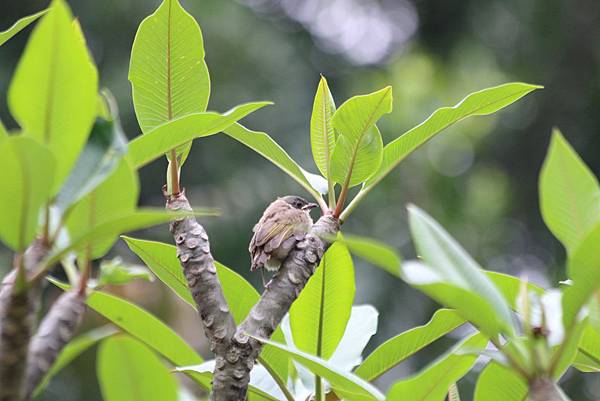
(544, 389)
(57, 328)
(235, 352)
(17, 317)
(193, 251)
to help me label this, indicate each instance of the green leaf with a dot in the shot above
(19, 26)
(27, 173)
(499, 383)
(319, 316)
(484, 102)
(453, 278)
(168, 74)
(265, 146)
(569, 193)
(322, 134)
(115, 197)
(105, 147)
(355, 162)
(3, 131)
(53, 91)
(128, 371)
(115, 272)
(510, 286)
(375, 252)
(145, 148)
(240, 295)
(359, 154)
(399, 348)
(345, 384)
(584, 269)
(588, 352)
(75, 348)
(433, 382)
(136, 220)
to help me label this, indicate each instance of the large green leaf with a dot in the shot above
(19, 25)
(75, 347)
(240, 295)
(355, 162)
(117, 196)
(322, 134)
(375, 252)
(105, 147)
(588, 353)
(168, 74)
(53, 91)
(453, 278)
(264, 145)
(433, 382)
(145, 148)
(27, 174)
(319, 316)
(500, 383)
(129, 371)
(584, 269)
(345, 384)
(484, 102)
(569, 193)
(359, 149)
(399, 348)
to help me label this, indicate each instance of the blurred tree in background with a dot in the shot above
(479, 180)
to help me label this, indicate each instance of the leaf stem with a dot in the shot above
(174, 190)
(286, 392)
(319, 389)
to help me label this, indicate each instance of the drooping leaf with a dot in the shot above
(240, 295)
(499, 383)
(265, 146)
(569, 193)
(115, 197)
(375, 252)
(27, 172)
(347, 385)
(359, 154)
(159, 141)
(484, 102)
(168, 74)
(53, 91)
(105, 147)
(399, 348)
(322, 134)
(75, 348)
(432, 383)
(129, 371)
(584, 269)
(136, 220)
(453, 278)
(116, 272)
(320, 314)
(19, 26)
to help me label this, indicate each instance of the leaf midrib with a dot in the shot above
(51, 80)
(169, 89)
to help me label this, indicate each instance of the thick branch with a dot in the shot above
(544, 389)
(17, 315)
(193, 251)
(55, 331)
(231, 380)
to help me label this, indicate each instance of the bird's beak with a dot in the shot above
(309, 206)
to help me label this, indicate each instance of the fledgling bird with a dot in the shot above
(285, 222)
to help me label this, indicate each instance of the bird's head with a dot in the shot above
(299, 203)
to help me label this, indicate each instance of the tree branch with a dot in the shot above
(235, 352)
(545, 389)
(18, 307)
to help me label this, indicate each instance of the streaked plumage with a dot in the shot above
(284, 222)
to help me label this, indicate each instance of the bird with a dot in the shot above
(284, 222)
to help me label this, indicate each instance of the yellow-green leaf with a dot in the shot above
(19, 26)
(322, 134)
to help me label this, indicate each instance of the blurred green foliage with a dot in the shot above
(479, 179)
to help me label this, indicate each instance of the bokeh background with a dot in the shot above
(479, 178)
